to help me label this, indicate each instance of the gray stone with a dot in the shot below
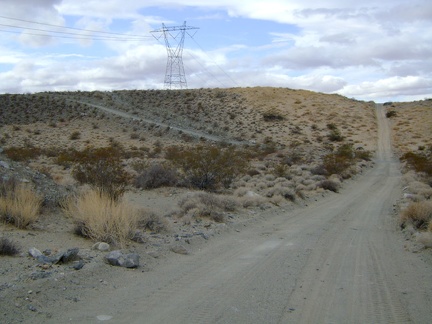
(78, 265)
(179, 249)
(40, 275)
(4, 165)
(120, 259)
(34, 252)
(69, 255)
(101, 246)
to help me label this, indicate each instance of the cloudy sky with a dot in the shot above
(368, 50)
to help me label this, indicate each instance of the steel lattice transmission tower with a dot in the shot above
(174, 41)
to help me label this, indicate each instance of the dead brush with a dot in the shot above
(419, 214)
(208, 205)
(19, 204)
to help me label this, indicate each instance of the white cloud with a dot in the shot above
(369, 50)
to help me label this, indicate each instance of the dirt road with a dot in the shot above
(340, 260)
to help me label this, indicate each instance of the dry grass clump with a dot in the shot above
(100, 218)
(419, 214)
(7, 247)
(19, 204)
(208, 205)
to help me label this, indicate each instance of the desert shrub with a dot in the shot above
(75, 135)
(391, 113)
(155, 176)
(7, 247)
(19, 204)
(363, 155)
(329, 185)
(420, 162)
(419, 214)
(273, 115)
(335, 164)
(100, 218)
(280, 170)
(153, 222)
(207, 167)
(23, 153)
(331, 126)
(208, 205)
(101, 168)
(335, 135)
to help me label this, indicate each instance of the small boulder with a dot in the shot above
(34, 252)
(4, 165)
(179, 249)
(120, 259)
(69, 255)
(101, 246)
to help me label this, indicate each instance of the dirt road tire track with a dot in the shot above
(340, 260)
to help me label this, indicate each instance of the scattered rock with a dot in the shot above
(78, 265)
(34, 252)
(4, 165)
(118, 258)
(65, 257)
(101, 246)
(179, 249)
(69, 255)
(40, 275)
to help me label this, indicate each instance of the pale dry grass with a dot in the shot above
(101, 219)
(20, 205)
(419, 214)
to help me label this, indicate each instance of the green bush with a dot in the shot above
(207, 167)
(156, 176)
(391, 113)
(101, 168)
(420, 162)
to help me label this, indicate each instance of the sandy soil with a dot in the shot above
(340, 259)
(330, 258)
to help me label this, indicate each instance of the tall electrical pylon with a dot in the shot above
(174, 40)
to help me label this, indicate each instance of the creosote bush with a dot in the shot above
(98, 217)
(19, 204)
(156, 176)
(101, 168)
(7, 247)
(420, 162)
(208, 167)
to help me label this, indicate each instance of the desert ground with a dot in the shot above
(288, 250)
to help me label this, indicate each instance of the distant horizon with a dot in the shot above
(186, 89)
(371, 51)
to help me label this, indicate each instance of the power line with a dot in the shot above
(215, 62)
(68, 33)
(83, 37)
(72, 28)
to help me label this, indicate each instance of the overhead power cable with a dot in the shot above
(82, 36)
(215, 62)
(73, 28)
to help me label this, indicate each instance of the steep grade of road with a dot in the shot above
(188, 131)
(340, 260)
